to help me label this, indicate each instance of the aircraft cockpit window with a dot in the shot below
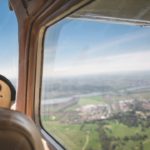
(8, 43)
(96, 83)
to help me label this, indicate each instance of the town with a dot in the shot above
(93, 112)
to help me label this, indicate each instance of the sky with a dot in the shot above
(80, 47)
(8, 41)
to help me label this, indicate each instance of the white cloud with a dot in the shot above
(9, 71)
(122, 39)
(138, 61)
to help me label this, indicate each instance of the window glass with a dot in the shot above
(8, 43)
(96, 85)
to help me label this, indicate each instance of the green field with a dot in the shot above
(86, 101)
(111, 134)
(75, 137)
(91, 100)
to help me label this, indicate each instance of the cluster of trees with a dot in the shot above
(128, 118)
(112, 142)
(136, 137)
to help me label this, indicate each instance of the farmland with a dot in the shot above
(99, 114)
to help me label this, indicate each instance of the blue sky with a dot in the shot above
(82, 47)
(76, 47)
(8, 41)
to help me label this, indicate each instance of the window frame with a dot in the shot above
(32, 28)
(33, 19)
(41, 27)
